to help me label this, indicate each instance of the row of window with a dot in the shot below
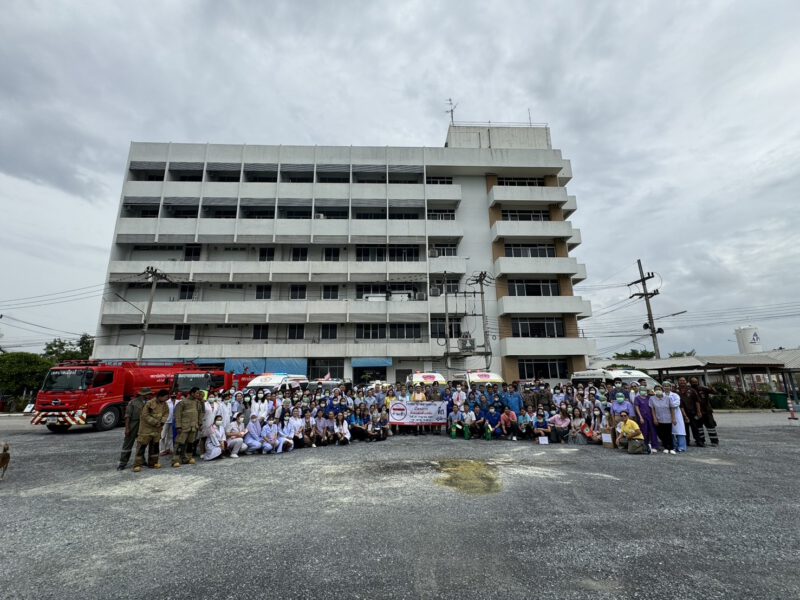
(540, 327)
(291, 174)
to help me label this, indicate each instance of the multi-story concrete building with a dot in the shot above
(336, 259)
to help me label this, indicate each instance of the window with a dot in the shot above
(537, 327)
(521, 181)
(438, 327)
(369, 215)
(333, 177)
(101, 378)
(263, 292)
(157, 247)
(445, 249)
(544, 287)
(405, 331)
(191, 253)
(370, 331)
(183, 213)
(321, 367)
(220, 213)
(525, 215)
(369, 174)
(330, 292)
(148, 213)
(439, 180)
(296, 331)
(182, 332)
(403, 253)
(298, 213)
(542, 369)
(297, 291)
(369, 289)
(231, 286)
(530, 250)
(186, 291)
(331, 255)
(261, 176)
(260, 332)
(299, 254)
(451, 286)
(404, 215)
(327, 331)
(441, 214)
(266, 254)
(370, 253)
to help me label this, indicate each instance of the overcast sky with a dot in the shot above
(680, 119)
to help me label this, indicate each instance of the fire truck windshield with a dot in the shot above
(63, 380)
(186, 381)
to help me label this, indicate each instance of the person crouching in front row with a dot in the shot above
(630, 437)
(235, 434)
(341, 430)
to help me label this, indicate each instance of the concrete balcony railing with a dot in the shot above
(300, 349)
(536, 266)
(142, 189)
(182, 189)
(141, 227)
(527, 196)
(449, 264)
(532, 230)
(265, 190)
(575, 240)
(220, 189)
(443, 192)
(544, 347)
(544, 305)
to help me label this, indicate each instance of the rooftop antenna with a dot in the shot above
(530, 123)
(451, 110)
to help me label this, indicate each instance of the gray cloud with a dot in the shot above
(679, 119)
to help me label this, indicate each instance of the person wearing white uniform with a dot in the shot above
(256, 405)
(678, 424)
(341, 430)
(253, 437)
(271, 438)
(167, 439)
(226, 410)
(298, 427)
(215, 441)
(235, 433)
(286, 432)
(459, 396)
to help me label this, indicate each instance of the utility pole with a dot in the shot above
(647, 295)
(154, 275)
(481, 279)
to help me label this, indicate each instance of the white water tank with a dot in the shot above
(747, 339)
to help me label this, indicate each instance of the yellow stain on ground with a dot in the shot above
(473, 477)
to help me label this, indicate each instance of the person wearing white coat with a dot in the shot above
(678, 424)
(298, 428)
(236, 433)
(253, 437)
(270, 437)
(215, 442)
(341, 430)
(286, 433)
(167, 438)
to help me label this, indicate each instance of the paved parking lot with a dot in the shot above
(414, 517)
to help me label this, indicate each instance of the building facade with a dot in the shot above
(353, 261)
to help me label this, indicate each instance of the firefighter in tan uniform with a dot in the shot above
(154, 414)
(188, 416)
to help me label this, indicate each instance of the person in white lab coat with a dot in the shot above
(235, 433)
(167, 444)
(215, 441)
(286, 432)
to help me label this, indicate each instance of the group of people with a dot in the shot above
(227, 423)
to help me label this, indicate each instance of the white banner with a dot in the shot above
(417, 413)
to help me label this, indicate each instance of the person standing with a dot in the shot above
(154, 415)
(680, 418)
(663, 417)
(132, 415)
(644, 415)
(513, 400)
(167, 445)
(705, 413)
(188, 415)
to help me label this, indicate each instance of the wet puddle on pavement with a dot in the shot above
(474, 477)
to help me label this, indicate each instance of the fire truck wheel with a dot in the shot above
(108, 419)
(58, 428)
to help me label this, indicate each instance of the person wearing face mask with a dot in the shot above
(296, 422)
(644, 416)
(285, 433)
(252, 438)
(225, 409)
(560, 424)
(663, 417)
(541, 425)
(621, 403)
(237, 403)
(215, 440)
(558, 397)
(595, 433)
(689, 401)
(492, 429)
(310, 429)
(679, 420)
(630, 438)
(235, 435)
(459, 396)
(525, 423)
(705, 413)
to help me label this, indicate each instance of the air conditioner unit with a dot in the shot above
(433, 253)
(319, 216)
(435, 292)
(466, 344)
(421, 296)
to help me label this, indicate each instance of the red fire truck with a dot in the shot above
(91, 392)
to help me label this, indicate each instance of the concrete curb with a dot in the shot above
(16, 414)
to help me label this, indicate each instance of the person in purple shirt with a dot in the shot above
(620, 404)
(645, 418)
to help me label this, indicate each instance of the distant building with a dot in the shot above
(335, 259)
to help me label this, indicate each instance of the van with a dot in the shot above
(477, 378)
(272, 383)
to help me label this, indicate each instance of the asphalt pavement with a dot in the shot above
(412, 517)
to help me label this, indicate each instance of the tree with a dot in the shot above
(22, 370)
(59, 350)
(635, 354)
(683, 353)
